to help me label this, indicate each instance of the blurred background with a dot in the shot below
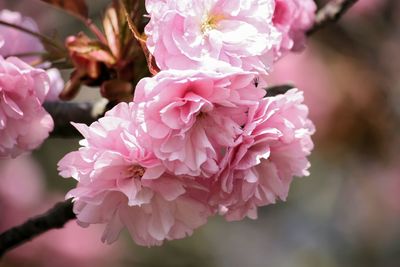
(347, 213)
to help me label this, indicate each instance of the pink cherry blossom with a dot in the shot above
(181, 34)
(123, 184)
(191, 116)
(272, 149)
(16, 42)
(24, 124)
(293, 18)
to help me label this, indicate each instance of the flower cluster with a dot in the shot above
(200, 137)
(181, 34)
(123, 183)
(24, 124)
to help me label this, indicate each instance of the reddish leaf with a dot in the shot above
(112, 31)
(76, 7)
(151, 61)
(141, 38)
(93, 50)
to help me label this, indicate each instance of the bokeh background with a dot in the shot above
(347, 213)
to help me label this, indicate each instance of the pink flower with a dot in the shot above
(272, 149)
(16, 42)
(24, 124)
(191, 116)
(122, 183)
(293, 18)
(181, 34)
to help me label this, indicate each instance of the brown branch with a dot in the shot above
(330, 13)
(55, 218)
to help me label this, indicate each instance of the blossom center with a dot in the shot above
(136, 171)
(210, 23)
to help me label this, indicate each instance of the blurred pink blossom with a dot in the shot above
(181, 34)
(24, 124)
(191, 117)
(15, 41)
(272, 149)
(122, 183)
(293, 18)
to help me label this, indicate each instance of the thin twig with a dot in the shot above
(55, 218)
(330, 13)
(41, 37)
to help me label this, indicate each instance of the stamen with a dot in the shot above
(211, 23)
(136, 171)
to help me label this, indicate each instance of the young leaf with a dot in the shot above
(141, 38)
(112, 30)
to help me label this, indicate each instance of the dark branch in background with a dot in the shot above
(55, 218)
(330, 13)
(63, 113)
(278, 90)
